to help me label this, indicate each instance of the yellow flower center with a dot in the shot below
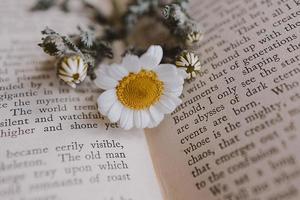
(139, 91)
(75, 76)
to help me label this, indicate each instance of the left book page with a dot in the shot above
(54, 144)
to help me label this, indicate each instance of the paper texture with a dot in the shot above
(236, 134)
(53, 142)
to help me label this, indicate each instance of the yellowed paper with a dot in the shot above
(53, 142)
(236, 133)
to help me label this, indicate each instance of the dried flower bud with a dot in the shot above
(72, 70)
(53, 45)
(190, 62)
(193, 38)
(174, 14)
(166, 11)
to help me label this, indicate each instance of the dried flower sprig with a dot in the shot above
(92, 49)
(175, 16)
(85, 45)
(139, 91)
(138, 9)
(181, 24)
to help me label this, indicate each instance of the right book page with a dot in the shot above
(236, 134)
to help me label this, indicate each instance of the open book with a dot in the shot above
(234, 137)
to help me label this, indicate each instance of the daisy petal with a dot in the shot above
(84, 71)
(170, 73)
(152, 57)
(129, 122)
(173, 87)
(181, 72)
(165, 105)
(117, 72)
(124, 117)
(145, 116)
(115, 111)
(166, 70)
(102, 69)
(73, 85)
(72, 63)
(64, 73)
(66, 68)
(65, 78)
(81, 66)
(156, 115)
(105, 82)
(176, 80)
(106, 100)
(131, 63)
(82, 76)
(152, 123)
(174, 98)
(175, 90)
(137, 119)
(162, 108)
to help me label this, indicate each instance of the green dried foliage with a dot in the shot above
(174, 15)
(180, 23)
(182, 3)
(87, 37)
(93, 49)
(84, 44)
(138, 9)
(53, 44)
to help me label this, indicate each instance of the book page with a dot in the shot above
(236, 134)
(54, 145)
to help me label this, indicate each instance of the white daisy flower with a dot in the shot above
(190, 62)
(72, 70)
(140, 90)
